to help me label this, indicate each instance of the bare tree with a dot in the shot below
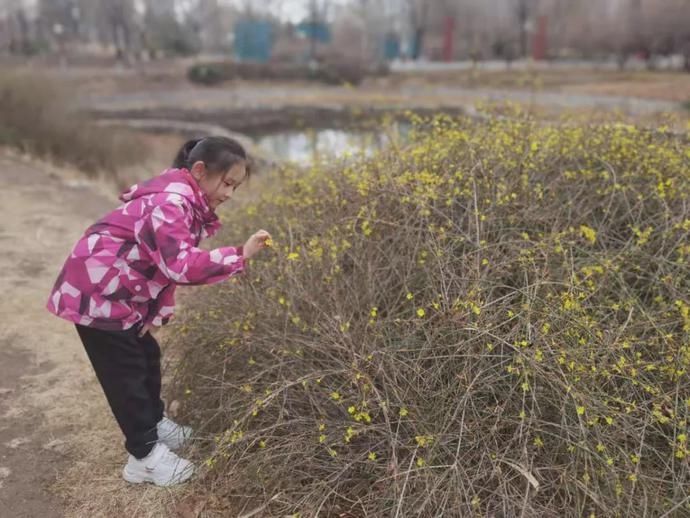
(14, 27)
(212, 34)
(523, 13)
(668, 29)
(418, 11)
(118, 20)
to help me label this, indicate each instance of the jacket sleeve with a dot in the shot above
(162, 307)
(164, 234)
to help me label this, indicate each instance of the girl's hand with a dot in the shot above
(256, 243)
(146, 329)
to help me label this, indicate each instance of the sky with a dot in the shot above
(288, 10)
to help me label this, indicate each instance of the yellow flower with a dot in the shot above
(293, 256)
(420, 462)
(619, 489)
(409, 296)
(403, 412)
(363, 416)
(335, 396)
(349, 434)
(588, 233)
(424, 440)
(371, 456)
(580, 410)
(421, 313)
(236, 436)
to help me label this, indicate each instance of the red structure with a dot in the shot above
(539, 44)
(448, 38)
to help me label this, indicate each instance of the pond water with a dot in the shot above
(307, 146)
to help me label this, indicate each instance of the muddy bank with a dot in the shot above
(257, 121)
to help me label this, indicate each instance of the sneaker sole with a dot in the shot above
(135, 478)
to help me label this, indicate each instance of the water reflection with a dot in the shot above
(307, 146)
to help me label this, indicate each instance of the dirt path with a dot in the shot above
(44, 374)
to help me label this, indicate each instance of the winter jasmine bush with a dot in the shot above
(491, 320)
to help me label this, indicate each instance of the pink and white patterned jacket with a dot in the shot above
(124, 270)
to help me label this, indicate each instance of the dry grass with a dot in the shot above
(38, 117)
(670, 86)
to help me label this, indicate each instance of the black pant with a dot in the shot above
(129, 370)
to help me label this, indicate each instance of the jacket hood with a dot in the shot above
(181, 182)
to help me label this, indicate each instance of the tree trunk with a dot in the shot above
(522, 16)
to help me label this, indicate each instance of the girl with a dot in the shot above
(118, 286)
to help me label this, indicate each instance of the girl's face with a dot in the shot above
(219, 188)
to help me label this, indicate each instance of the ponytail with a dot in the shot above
(218, 153)
(182, 159)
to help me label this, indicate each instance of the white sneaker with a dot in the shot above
(161, 467)
(173, 435)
